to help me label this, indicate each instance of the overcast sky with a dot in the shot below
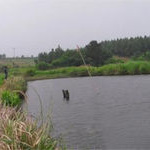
(33, 26)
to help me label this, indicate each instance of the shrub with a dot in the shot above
(30, 72)
(42, 66)
(133, 68)
(10, 98)
(115, 60)
(144, 68)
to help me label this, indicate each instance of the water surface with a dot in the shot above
(103, 112)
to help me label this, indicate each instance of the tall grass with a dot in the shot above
(15, 83)
(128, 68)
(17, 132)
(1, 79)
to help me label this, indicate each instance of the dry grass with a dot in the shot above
(15, 83)
(18, 132)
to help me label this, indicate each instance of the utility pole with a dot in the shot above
(14, 52)
(13, 60)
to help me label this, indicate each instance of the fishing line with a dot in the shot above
(87, 68)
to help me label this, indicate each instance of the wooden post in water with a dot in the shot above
(65, 94)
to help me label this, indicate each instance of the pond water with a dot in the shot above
(102, 113)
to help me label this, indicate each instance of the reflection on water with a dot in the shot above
(103, 112)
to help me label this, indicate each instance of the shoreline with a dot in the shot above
(49, 78)
(121, 69)
(17, 129)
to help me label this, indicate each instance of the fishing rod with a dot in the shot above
(78, 50)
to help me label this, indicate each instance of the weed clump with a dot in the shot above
(15, 83)
(10, 99)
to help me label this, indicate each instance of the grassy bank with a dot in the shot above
(128, 68)
(18, 131)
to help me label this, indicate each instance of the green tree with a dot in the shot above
(95, 54)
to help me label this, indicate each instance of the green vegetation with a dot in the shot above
(42, 66)
(93, 54)
(10, 99)
(116, 57)
(17, 132)
(98, 54)
(129, 68)
(1, 79)
(17, 129)
(126, 68)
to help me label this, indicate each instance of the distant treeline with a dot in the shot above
(96, 54)
(2, 56)
(128, 47)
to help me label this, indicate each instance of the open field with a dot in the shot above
(17, 62)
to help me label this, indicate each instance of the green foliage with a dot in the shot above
(96, 54)
(92, 53)
(145, 56)
(128, 47)
(30, 72)
(42, 66)
(114, 60)
(69, 58)
(10, 99)
(128, 68)
(1, 79)
(52, 55)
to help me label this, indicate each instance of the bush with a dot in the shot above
(10, 98)
(114, 60)
(42, 66)
(30, 72)
(144, 68)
